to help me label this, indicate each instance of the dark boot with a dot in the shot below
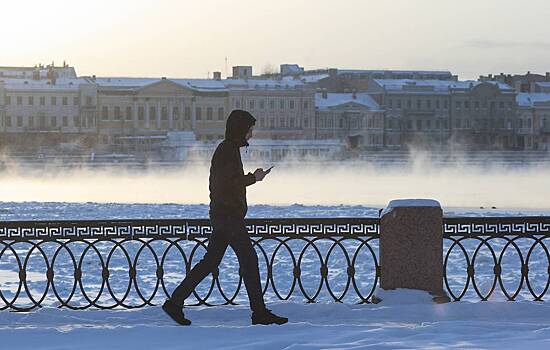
(175, 312)
(267, 317)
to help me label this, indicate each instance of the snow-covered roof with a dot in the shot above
(284, 83)
(30, 84)
(338, 99)
(525, 99)
(137, 83)
(431, 85)
(312, 78)
(396, 72)
(200, 84)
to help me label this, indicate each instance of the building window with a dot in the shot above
(65, 121)
(272, 123)
(476, 104)
(445, 104)
(271, 104)
(390, 103)
(141, 113)
(8, 121)
(341, 123)
(221, 113)
(128, 113)
(31, 100)
(8, 100)
(418, 104)
(209, 113)
(291, 104)
(409, 104)
(76, 101)
(19, 100)
(176, 113)
(281, 104)
(54, 121)
(117, 113)
(428, 103)
(198, 113)
(291, 122)
(65, 101)
(306, 122)
(31, 121)
(437, 104)
(164, 113)
(237, 104)
(105, 113)
(398, 103)
(53, 101)
(76, 121)
(466, 104)
(419, 124)
(306, 104)
(262, 104)
(152, 113)
(457, 104)
(188, 113)
(88, 100)
(251, 104)
(19, 121)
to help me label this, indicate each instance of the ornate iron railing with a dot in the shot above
(500, 258)
(135, 263)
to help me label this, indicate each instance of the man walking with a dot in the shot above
(228, 208)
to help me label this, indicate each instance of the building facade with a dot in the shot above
(47, 111)
(533, 123)
(438, 113)
(354, 118)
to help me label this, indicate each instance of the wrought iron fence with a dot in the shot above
(135, 263)
(497, 257)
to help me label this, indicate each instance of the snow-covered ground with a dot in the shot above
(404, 319)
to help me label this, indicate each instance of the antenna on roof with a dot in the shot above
(226, 66)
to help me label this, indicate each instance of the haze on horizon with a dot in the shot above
(192, 38)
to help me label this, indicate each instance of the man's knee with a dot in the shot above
(210, 261)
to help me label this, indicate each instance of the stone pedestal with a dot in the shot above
(411, 246)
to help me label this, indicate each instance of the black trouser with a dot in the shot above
(226, 232)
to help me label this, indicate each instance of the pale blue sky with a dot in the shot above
(182, 38)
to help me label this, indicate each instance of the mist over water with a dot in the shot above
(306, 183)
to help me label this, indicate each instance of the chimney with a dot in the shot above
(217, 76)
(332, 72)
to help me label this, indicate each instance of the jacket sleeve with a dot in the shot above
(230, 168)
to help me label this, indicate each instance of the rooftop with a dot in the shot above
(532, 99)
(30, 84)
(431, 85)
(338, 99)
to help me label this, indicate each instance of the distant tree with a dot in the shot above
(270, 69)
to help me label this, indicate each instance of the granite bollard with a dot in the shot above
(411, 246)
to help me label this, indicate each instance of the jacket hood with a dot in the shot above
(237, 126)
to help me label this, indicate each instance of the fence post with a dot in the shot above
(411, 246)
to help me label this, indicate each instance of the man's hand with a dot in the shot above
(259, 174)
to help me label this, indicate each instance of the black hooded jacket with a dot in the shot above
(227, 179)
